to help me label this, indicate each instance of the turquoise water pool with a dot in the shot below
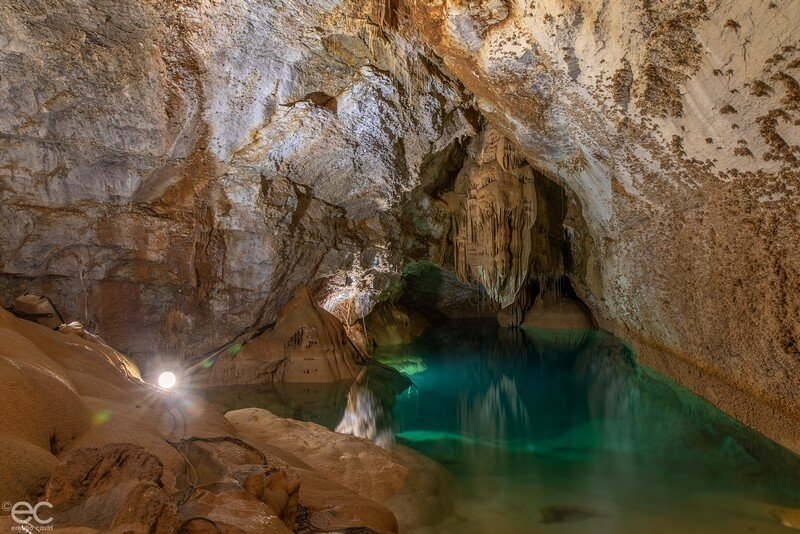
(554, 431)
(563, 432)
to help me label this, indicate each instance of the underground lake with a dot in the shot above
(552, 431)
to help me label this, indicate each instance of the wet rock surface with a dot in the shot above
(231, 485)
(113, 488)
(414, 487)
(564, 513)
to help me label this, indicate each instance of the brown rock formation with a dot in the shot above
(306, 344)
(233, 485)
(494, 218)
(389, 324)
(413, 486)
(113, 488)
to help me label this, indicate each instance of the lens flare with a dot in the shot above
(167, 380)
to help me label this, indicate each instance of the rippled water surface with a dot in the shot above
(563, 432)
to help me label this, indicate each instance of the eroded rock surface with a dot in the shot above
(416, 488)
(495, 211)
(114, 488)
(306, 344)
(179, 169)
(114, 454)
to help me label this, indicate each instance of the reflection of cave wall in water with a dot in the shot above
(491, 392)
(365, 417)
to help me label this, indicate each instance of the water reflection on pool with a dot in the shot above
(562, 432)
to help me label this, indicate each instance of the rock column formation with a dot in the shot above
(495, 211)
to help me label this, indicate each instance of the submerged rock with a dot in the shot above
(567, 513)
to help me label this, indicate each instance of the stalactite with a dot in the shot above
(495, 217)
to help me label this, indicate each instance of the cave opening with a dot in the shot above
(537, 224)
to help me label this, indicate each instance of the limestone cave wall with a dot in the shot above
(170, 172)
(676, 125)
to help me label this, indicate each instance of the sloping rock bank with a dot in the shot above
(111, 453)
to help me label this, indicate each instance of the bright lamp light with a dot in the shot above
(167, 380)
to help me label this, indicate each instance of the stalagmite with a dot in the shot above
(495, 211)
(307, 344)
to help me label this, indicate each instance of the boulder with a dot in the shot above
(788, 517)
(381, 484)
(233, 486)
(307, 344)
(38, 309)
(357, 464)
